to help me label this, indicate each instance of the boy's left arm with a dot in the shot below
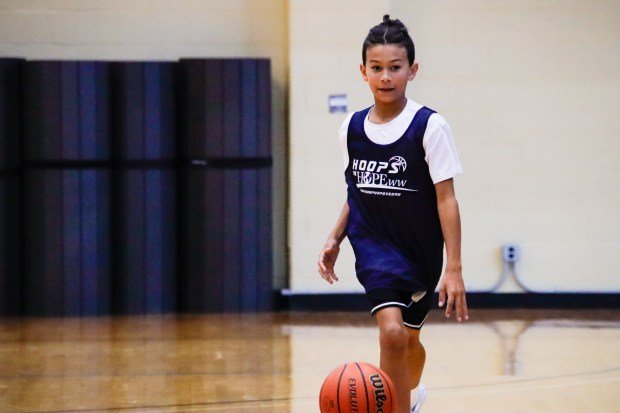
(452, 286)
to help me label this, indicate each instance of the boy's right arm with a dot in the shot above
(329, 254)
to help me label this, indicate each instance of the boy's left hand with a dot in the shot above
(453, 288)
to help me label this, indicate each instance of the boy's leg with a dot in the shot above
(416, 357)
(394, 342)
(414, 316)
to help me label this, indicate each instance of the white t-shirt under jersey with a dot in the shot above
(441, 156)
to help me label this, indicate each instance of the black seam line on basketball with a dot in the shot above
(164, 406)
(388, 387)
(338, 386)
(365, 387)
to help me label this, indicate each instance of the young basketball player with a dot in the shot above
(400, 161)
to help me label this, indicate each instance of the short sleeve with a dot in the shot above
(342, 133)
(441, 155)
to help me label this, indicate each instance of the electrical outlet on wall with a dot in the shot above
(511, 253)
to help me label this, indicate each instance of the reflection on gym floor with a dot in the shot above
(501, 361)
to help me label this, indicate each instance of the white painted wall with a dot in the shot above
(532, 92)
(163, 30)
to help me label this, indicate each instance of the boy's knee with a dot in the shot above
(414, 338)
(393, 337)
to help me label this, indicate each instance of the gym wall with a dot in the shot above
(532, 93)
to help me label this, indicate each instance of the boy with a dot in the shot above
(400, 162)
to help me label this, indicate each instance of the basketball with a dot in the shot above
(357, 387)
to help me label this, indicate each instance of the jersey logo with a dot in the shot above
(381, 175)
(398, 164)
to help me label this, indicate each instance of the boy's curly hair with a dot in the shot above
(390, 32)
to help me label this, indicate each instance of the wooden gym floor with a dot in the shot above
(500, 362)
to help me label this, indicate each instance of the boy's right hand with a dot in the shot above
(327, 261)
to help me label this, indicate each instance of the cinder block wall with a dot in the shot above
(532, 93)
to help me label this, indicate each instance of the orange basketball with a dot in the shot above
(357, 387)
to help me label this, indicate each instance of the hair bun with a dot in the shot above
(389, 31)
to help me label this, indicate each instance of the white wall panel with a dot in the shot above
(531, 90)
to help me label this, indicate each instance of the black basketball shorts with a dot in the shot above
(415, 307)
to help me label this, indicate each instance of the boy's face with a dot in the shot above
(387, 72)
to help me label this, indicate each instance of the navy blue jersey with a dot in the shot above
(393, 223)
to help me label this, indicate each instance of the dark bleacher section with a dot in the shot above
(226, 185)
(145, 187)
(10, 235)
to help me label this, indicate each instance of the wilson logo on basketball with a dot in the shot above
(357, 387)
(380, 396)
